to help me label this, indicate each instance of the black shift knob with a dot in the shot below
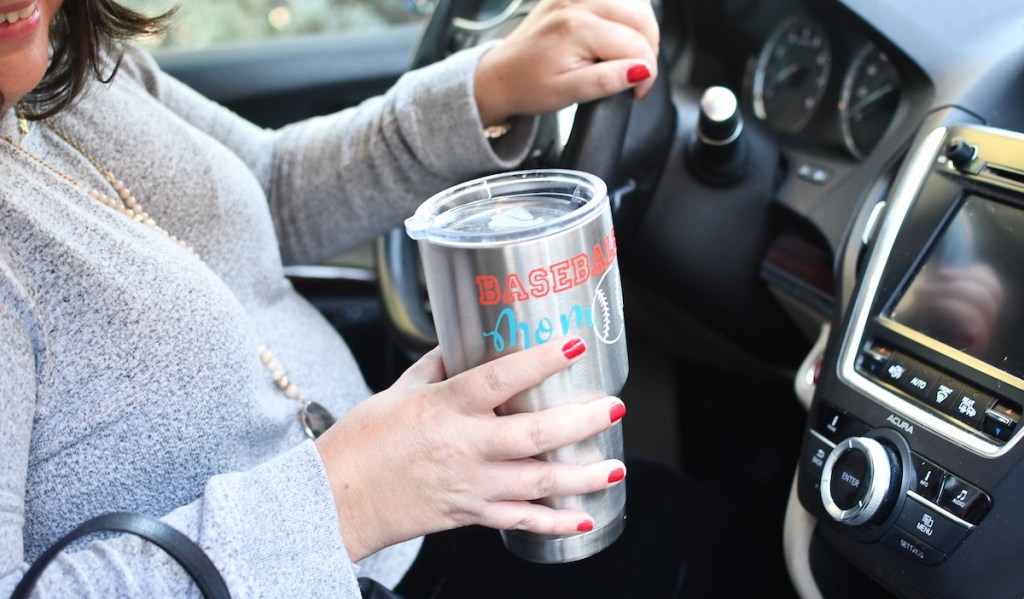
(720, 121)
(719, 151)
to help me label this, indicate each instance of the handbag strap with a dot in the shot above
(178, 546)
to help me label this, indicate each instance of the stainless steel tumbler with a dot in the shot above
(515, 260)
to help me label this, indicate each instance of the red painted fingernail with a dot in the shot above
(616, 475)
(617, 412)
(574, 348)
(637, 73)
(585, 526)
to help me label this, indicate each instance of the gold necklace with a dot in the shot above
(315, 418)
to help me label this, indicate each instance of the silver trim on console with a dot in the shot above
(871, 225)
(931, 505)
(919, 166)
(823, 438)
(330, 272)
(965, 359)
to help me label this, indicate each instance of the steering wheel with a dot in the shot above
(594, 145)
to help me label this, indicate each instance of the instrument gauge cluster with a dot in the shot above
(815, 79)
(868, 100)
(791, 74)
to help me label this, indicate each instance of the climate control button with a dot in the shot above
(897, 370)
(920, 382)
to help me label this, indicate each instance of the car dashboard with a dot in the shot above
(886, 180)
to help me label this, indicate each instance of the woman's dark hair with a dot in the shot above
(80, 34)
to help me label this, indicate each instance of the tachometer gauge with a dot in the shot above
(791, 74)
(871, 92)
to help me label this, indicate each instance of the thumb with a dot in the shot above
(426, 370)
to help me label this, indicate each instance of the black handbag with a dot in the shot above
(178, 546)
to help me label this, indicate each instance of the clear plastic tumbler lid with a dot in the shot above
(508, 207)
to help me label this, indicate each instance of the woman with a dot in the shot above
(157, 363)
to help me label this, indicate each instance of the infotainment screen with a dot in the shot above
(969, 292)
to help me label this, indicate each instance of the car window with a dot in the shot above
(201, 23)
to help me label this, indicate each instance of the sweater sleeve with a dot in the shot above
(337, 181)
(271, 531)
(17, 409)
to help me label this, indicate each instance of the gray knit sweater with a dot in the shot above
(131, 379)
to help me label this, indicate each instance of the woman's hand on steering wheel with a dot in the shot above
(587, 52)
(566, 52)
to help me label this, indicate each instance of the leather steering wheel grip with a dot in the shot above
(597, 138)
(399, 285)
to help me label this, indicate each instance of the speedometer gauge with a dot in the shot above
(791, 74)
(871, 92)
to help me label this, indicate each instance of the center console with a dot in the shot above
(912, 458)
